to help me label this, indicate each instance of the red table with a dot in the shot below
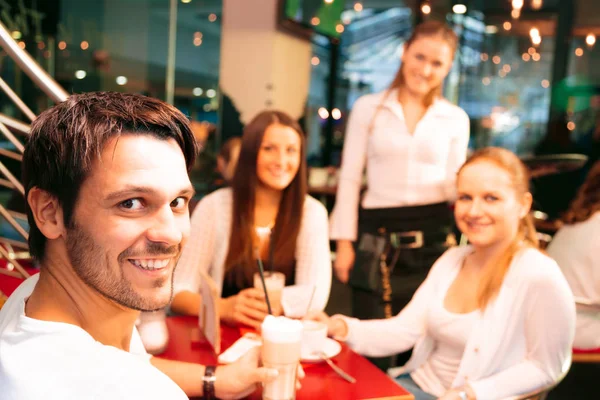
(320, 381)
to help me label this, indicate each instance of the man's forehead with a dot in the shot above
(140, 160)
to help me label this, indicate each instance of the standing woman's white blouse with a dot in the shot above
(403, 168)
(208, 246)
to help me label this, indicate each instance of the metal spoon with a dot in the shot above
(337, 369)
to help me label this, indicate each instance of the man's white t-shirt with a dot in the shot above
(54, 360)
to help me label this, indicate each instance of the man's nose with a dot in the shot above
(166, 227)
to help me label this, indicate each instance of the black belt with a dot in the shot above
(418, 239)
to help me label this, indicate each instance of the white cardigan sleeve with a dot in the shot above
(457, 154)
(313, 255)
(344, 217)
(198, 253)
(549, 331)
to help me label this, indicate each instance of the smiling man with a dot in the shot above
(107, 190)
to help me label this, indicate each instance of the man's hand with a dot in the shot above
(344, 260)
(239, 379)
(248, 307)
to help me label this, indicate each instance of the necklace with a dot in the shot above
(264, 230)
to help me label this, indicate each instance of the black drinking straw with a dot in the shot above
(261, 271)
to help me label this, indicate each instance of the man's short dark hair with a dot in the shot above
(66, 139)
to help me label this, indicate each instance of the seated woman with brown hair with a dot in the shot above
(575, 249)
(266, 214)
(492, 319)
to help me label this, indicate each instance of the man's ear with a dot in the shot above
(47, 213)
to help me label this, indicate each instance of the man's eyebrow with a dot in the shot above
(132, 191)
(129, 191)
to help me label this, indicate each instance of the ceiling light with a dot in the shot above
(590, 39)
(459, 9)
(491, 29)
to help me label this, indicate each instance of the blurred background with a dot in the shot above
(524, 71)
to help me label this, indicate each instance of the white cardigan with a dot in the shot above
(521, 342)
(208, 245)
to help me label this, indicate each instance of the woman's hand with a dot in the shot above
(248, 307)
(344, 260)
(453, 394)
(336, 327)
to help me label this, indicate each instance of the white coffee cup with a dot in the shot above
(282, 339)
(314, 336)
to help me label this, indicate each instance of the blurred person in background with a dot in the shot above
(576, 249)
(228, 157)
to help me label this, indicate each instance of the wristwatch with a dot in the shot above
(208, 382)
(463, 395)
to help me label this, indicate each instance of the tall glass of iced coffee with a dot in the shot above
(282, 338)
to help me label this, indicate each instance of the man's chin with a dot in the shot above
(156, 301)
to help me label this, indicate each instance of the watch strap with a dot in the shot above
(208, 382)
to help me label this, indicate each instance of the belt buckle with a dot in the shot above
(395, 239)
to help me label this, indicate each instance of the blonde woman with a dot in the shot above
(493, 319)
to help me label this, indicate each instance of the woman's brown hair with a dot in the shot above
(587, 200)
(289, 216)
(526, 235)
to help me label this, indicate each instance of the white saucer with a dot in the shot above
(331, 349)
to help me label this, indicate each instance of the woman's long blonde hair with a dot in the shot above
(526, 235)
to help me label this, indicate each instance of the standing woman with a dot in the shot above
(412, 142)
(266, 213)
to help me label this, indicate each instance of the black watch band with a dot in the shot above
(208, 382)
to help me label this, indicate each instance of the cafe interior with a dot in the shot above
(524, 72)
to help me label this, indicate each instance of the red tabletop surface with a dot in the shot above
(320, 381)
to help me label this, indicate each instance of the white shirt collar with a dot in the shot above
(440, 106)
